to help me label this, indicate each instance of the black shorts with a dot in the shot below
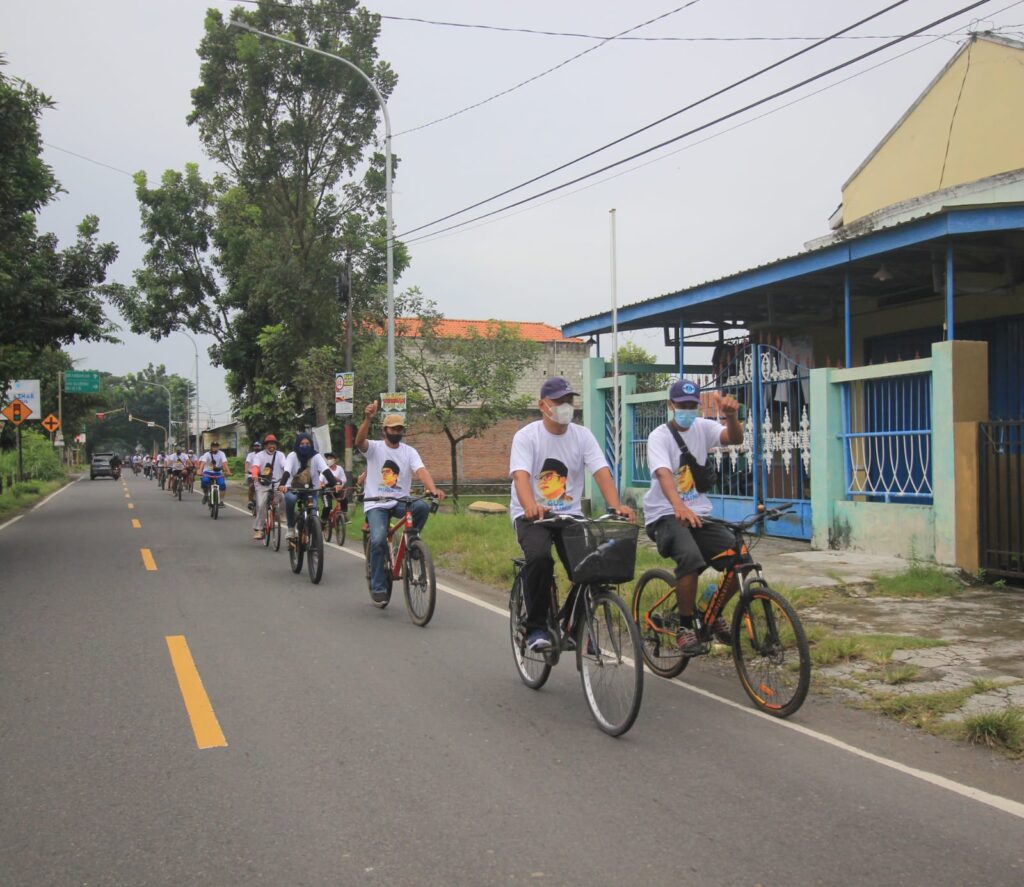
(694, 548)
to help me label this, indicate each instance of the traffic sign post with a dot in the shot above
(51, 423)
(17, 411)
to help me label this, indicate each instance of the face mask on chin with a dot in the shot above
(562, 413)
(684, 418)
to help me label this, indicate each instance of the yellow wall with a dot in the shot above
(987, 135)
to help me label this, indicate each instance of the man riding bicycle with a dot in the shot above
(266, 468)
(677, 453)
(390, 468)
(175, 467)
(254, 451)
(215, 466)
(547, 465)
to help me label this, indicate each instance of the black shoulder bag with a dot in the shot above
(705, 476)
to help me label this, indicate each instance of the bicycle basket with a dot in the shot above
(601, 552)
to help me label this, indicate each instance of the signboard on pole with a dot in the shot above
(16, 411)
(51, 423)
(27, 391)
(81, 382)
(393, 402)
(344, 391)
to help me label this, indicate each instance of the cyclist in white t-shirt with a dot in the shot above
(304, 467)
(549, 462)
(254, 451)
(215, 466)
(673, 506)
(390, 468)
(266, 469)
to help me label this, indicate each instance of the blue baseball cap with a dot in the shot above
(556, 387)
(684, 391)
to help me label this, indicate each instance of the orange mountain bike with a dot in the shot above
(769, 647)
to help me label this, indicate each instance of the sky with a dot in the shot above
(729, 198)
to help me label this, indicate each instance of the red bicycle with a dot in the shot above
(408, 559)
(334, 521)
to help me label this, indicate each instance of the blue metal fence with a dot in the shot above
(887, 438)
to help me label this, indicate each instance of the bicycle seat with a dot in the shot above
(519, 561)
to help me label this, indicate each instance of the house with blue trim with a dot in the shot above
(880, 371)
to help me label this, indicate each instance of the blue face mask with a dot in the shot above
(305, 450)
(684, 418)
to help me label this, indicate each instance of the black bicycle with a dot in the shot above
(308, 542)
(594, 621)
(769, 646)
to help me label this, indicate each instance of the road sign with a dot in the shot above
(27, 391)
(344, 383)
(51, 423)
(16, 411)
(58, 441)
(81, 382)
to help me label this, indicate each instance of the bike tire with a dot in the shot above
(340, 531)
(609, 657)
(315, 551)
(533, 668)
(178, 490)
(661, 653)
(326, 529)
(419, 582)
(771, 653)
(277, 531)
(296, 551)
(268, 528)
(214, 503)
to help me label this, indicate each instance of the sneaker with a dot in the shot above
(206, 498)
(538, 640)
(720, 629)
(291, 533)
(257, 535)
(379, 597)
(686, 638)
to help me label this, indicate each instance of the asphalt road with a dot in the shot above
(361, 749)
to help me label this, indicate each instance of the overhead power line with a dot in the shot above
(702, 127)
(624, 38)
(535, 77)
(718, 92)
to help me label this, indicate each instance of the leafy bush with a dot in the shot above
(39, 458)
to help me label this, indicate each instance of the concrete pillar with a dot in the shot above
(828, 483)
(959, 403)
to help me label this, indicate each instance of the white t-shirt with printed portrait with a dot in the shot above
(557, 465)
(663, 452)
(389, 472)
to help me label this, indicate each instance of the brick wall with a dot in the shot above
(481, 460)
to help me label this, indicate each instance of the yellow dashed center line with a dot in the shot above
(127, 495)
(147, 559)
(204, 722)
(136, 523)
(131, 505)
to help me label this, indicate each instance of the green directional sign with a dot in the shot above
(81, 382)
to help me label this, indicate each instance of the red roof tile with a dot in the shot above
(450, 328)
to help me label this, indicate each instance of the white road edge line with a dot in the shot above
(1004, 805)
(38, 504)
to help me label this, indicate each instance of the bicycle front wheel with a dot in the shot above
(610, 661)
(657, 616)
(277, 531)
(268, 528)
(340, 530)
(771, 654)
(315, 552)
(178, 489)
(296, 549)
(533, 668)
(420, 583)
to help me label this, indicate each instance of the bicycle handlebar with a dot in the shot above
(744, 525)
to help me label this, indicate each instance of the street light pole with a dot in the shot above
(196, 420)
(387, 182)
(167, 438)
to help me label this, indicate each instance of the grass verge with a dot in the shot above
(1003, 730)
(831, 649)
(17, 497)
(918, 581)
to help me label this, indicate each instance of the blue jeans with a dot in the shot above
(289, 506)
(378, 519)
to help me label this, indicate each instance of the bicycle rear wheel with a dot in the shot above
(610, 661)
(419, 582)
(327, 528)
(657, 616)
(771, 654)
(315, 551)
(178, 488)
(533, 668)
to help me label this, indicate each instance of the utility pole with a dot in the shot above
(60, 408)
(345, 289)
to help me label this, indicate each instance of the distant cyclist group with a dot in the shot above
(549, 463)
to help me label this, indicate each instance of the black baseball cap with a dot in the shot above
(556, 387)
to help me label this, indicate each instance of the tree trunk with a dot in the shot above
(455, 464)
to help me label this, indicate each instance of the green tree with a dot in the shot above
(463, 384)
(252, 256)
(50, 297)
(142, 396)
(646, 382)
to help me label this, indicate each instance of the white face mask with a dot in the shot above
(562, 413)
